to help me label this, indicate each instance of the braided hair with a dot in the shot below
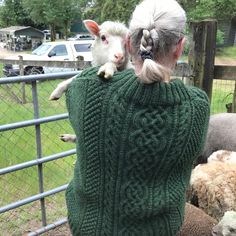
(156, 27)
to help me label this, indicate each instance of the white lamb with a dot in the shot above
(223, 156)
(213, 187)
(108, 50)
(227, 225)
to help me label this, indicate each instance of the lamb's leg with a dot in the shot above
(68, 138)
(107, 70)
(60, 89)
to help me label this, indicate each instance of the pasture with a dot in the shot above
(18, 146)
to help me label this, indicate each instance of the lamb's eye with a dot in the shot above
(232, 230)
(103, 38)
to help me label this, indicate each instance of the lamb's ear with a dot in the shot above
(92, 27)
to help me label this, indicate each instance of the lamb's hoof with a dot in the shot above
(107, 76)
(104, 75)
(101, 74)
(53, 98)
(63, 138)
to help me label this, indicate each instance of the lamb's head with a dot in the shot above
(109, 44)
(227, 225)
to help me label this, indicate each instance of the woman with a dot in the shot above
(138, 134)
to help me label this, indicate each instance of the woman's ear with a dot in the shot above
(179, 48)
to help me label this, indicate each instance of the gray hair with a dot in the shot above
(156, 27)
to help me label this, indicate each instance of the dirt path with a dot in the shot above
(225, 61)
(5, 53)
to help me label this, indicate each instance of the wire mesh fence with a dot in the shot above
(21, 145)
(223, 95)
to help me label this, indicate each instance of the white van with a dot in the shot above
(52, 51)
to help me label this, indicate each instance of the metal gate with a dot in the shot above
(19, 152)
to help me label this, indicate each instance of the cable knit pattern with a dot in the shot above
(136, 145)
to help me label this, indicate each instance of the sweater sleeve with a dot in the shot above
(78, 85)
(200, 120)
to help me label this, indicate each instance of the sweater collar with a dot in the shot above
(161, 93)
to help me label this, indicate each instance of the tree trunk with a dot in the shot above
(53, 32)
(66, 29)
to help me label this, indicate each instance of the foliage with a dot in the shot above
(220, 37)
(202, 9)
(13, 13)
(53, 13)
(100, 10)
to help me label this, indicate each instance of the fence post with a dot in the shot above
(21, 67)
(202, 54)
(234, 99)
(39, 151)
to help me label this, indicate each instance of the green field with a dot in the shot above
(226, 52)
(19, 146)
(222, 94)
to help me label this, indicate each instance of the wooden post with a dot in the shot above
(202, 54)
(21, 66)
(234, 99)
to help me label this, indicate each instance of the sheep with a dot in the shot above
(223, 156)
(226, 226)
(221, 135)
(212, 188)
(196, 222)
(108, 50)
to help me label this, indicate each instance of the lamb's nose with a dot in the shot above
(118, 57)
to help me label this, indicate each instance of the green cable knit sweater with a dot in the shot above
(136, 145)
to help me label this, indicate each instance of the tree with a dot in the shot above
(53, 13)
(13, 13)
(202, 9)
(101, 10)
(69, 11)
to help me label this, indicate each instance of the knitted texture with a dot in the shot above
(136, 145)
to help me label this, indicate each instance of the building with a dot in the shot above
(229, 29)
(19, 38)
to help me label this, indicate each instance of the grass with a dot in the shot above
(222, 94)
(18, 146)
(1, 67)
(226, 52)
(221, 53)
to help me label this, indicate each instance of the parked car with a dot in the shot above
(47, 34)
(81, 37)
(51, 51)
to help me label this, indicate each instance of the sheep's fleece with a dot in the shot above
(214, 185)
(221, 135)
(196, 222)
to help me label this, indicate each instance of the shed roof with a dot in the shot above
(22, 30)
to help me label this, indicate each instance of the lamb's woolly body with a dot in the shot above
(226, 226)
(214, 185)
(221, 135)
(196, 222)
(111, 56)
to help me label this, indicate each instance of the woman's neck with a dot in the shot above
(168, 63)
